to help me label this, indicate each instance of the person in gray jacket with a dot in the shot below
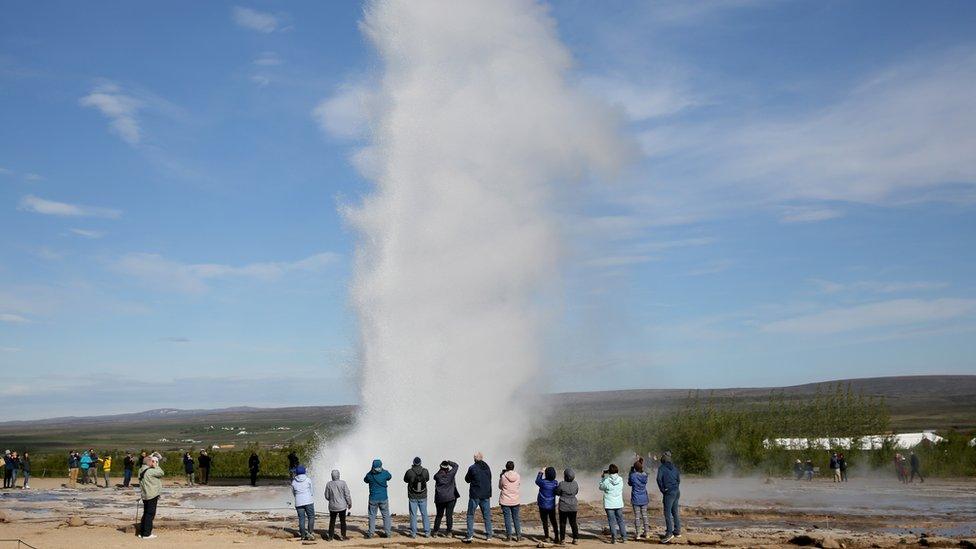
(340, 502)
(416, 478)
(568, 505)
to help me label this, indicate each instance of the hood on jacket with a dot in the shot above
(550, 473)
(335, 474)
(614, 478)
(377, 464)
(666, 456)
(569, 475)
(511, 476)
(301, 477)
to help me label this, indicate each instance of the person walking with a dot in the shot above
(25, 467)
(254, 465)
(445, 496)
(612, 487)
(74, 463)
(637, 480)
(914, 462)
(842, 465)
(204, 461)
(509, 498)
(668, 481)
(567, 491)
(340, 502)
(301, 488)
(417, 478)
(86, 463)
(379, 499)
(107, 468)
(150, 485)
(188, 468)
(546, 500)
(127, 464)
(479, 495)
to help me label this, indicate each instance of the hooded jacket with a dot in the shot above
(509, 486)
(567, 491)
(445, 487)
(187, 464)
(86, 461)
(107, 463)
(337, 493)
(301, 488)
(150, 481)
(668, 477)
(612, 487)
(416, 478)
(479, 477)
(378, 478)
(638, 488)
(547, 489)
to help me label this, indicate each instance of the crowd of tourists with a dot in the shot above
(15, 465)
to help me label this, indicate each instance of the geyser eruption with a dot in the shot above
(474, 128)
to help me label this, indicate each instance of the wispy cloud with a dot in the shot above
(157, 271)
(807, 214)
(121, 110)
(876, 286)
(11, 318)
(33, 177)
(175, 339)
(896, 312)
(87, 233)
(642, 102)
(267, 59)
(9, 349)
(31, 203)
(255, 20)
(344, 115)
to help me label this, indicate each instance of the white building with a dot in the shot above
(902, 441)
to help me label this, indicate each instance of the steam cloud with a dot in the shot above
(474, 130)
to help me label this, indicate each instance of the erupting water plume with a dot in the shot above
(474, 129)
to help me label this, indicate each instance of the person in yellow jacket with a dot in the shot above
(106, 467)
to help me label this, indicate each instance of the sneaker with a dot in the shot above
(613, 540)
(150, 536)
(487, 538)
(575, 541)
(468, 539)
(668, 538)
(368, 535)
(677, 534)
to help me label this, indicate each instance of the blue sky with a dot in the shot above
(801, 207)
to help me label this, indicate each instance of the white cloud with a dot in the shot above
(31, 203)
(875, 286)
(158, 271)
(345, 115)
(805, 214)
(260, 79)
(88, 233)
(5, 171)
(896, 312)
(267, 59)
(9, 349)
(641, 101)
(11, 318)
(255, 20)
(32, 177)
(121, 110)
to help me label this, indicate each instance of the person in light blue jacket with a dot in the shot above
(301, 488)
(637, 480)
(378, 479)
(86, 463)
(612, 487)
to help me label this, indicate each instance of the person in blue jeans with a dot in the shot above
(479, 495)
(378, 479)
(301, 488)
(612, 487)
(668, 481)
(416, 478)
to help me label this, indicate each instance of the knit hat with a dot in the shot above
(416, 460)
(300, 470)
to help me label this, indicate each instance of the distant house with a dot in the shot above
(215, 447)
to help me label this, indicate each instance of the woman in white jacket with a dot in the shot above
(301, 487)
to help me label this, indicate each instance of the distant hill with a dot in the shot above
(916, 403)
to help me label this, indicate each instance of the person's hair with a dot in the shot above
(478, 456)
(639, 466)
(613, 470)
(510, 466)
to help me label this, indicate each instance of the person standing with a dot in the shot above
(142, 459)
(253, 465)
(150, 485)
(107, 468)
(637, 480)
(14, 464)
(94, 466)
(479, 495)
(669, 481)
(916, 470)
(340, 502)
(835, 466)
(204, 462)
(842, 465)
(416, 478)
(292, 463)
(547, 483)
(301, 488)
(25, 467)
(509, 498)
(74, 463)
(612, 487)
(127, 464)
(445, 495)
(567, 491)
(378, 480)
(188, 468)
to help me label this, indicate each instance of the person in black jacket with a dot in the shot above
(204, 462)
(253, 464)
(292, 464)
(913, 461)
(445, 496)
(416, 478)
(479, 495)
(127, 464)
